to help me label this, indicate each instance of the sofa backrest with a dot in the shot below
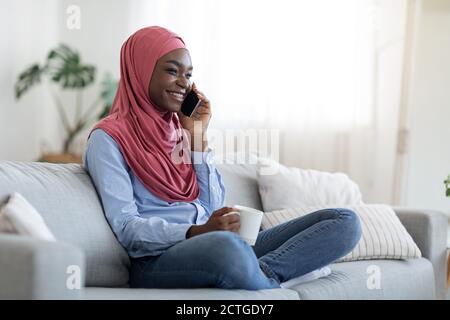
(67, 200)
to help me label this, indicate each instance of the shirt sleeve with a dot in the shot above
(110, 174)
(212, 189)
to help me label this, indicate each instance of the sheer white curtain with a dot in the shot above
(325, 73)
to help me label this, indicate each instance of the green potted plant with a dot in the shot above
(64, 68)
(447, 186)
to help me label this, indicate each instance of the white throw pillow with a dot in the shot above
(282, 187)
(19, 216)
(383, 235)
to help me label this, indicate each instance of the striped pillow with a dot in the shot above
(383, 235)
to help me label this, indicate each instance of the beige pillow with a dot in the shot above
(383, 235)
(19, 216)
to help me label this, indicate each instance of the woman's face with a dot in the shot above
(171, 80)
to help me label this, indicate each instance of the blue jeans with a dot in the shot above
(221, 259)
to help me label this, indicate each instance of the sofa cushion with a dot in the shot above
(241, 185)
(373, 280)
(290, 187)
(68, 202)
(19, 216)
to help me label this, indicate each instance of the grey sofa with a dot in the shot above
(66, 198)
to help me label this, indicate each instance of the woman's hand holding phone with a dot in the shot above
(202, 113)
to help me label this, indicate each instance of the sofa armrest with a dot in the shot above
(36, 269)
(428, 228)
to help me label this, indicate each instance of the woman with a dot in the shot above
(168, 214)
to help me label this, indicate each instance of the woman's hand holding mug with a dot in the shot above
(220, 220)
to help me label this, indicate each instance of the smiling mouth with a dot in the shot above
(176, 95)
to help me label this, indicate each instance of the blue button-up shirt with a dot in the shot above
(143, 223)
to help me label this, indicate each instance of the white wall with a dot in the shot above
(429, 157)
(24, 123)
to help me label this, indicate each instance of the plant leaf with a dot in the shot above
(109, 88)
(108, 93)
(27, 79)
(65, 67)
(104, 112)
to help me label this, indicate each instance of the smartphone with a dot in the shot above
(190, 103)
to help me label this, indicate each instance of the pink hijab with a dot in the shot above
(145, 134)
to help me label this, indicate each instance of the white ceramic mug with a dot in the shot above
(250, 223)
